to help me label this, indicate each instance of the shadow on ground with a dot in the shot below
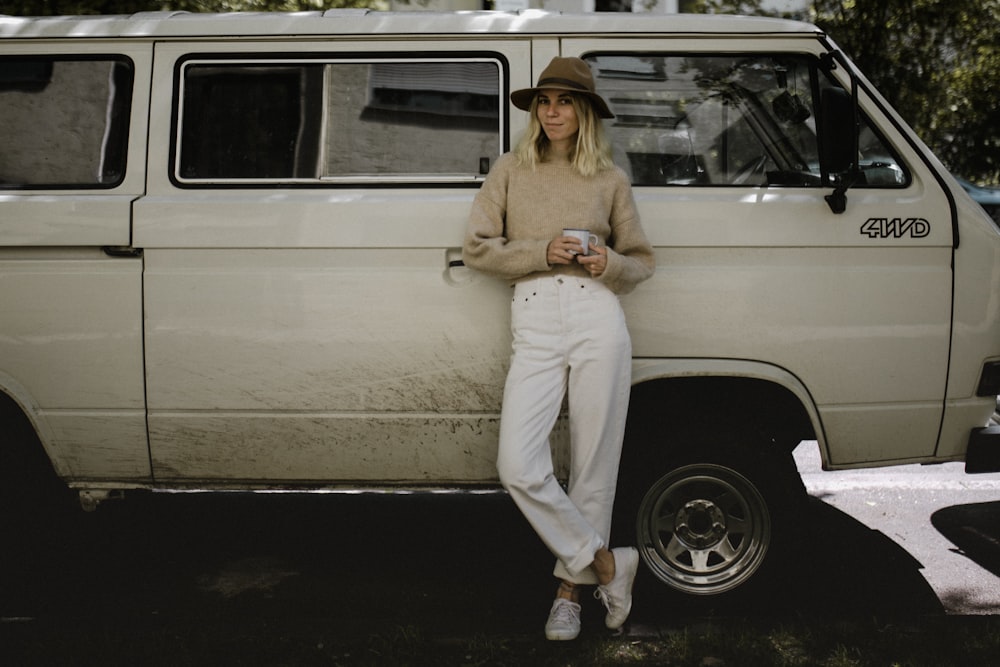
(446, 563)
(974, 530)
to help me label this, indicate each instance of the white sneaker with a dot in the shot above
(564, 620)
(617, 594)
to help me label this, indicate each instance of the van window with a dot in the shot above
(64, 121)
(735, 120)
(315, 121)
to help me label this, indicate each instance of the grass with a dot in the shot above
(947, 641)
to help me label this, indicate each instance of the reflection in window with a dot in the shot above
(724, 120)
(251, 122)
(64, 121)
(344, 121)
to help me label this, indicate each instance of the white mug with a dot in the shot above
(584, 237)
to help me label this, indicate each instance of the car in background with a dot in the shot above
(987, 197)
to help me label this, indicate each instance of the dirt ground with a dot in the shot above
(187, 575)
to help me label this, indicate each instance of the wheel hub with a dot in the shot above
(700, 524)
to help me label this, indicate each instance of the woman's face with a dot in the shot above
(557, 116)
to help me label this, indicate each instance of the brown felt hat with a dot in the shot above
(570, 74)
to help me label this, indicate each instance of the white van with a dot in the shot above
(230, 258)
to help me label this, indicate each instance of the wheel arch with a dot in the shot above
(709, 392)
(708, 488)
(18, 411)
(32, 485)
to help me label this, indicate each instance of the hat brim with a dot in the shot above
(522, 98)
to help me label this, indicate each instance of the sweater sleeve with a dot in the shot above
(630, 256)
(486, 247)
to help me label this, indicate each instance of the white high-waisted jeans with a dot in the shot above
(569, 334)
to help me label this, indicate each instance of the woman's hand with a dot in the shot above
(596, 261)
(567, 249)
(563, 250)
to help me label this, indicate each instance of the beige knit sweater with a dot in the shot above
(518, 211)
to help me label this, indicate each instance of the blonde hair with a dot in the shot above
(592, 152)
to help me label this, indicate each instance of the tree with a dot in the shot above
(936, 61)
(719, 6)
(690, 6)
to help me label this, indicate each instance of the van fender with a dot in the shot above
(708, 489)
(647, 372)
(32, 481)
(21, 399)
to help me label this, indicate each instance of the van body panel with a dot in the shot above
(99, 446)
(66, 220)
(348, 23)
(260, 449)
(977, 302)
(358, 395)
(275, 219)
(733, 303)
(72, 351)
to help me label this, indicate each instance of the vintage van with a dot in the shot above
(230, 259)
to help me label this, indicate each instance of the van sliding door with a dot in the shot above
(307, 320)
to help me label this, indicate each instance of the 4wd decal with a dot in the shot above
(885, 228)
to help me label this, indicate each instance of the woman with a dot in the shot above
(569, 329)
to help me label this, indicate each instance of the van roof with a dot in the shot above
(368, 22)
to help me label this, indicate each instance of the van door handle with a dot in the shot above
(121, 251)
(456, 273)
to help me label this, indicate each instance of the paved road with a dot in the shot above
(948, 521)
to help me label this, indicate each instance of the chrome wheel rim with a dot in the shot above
(703, 529)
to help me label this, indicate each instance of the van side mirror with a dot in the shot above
(837, 131)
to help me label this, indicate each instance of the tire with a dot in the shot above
(708, 519)
(29, 488)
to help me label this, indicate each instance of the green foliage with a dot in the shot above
(936, 61)
(719, 6)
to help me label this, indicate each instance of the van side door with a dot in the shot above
(308, 318)
(720, 139)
